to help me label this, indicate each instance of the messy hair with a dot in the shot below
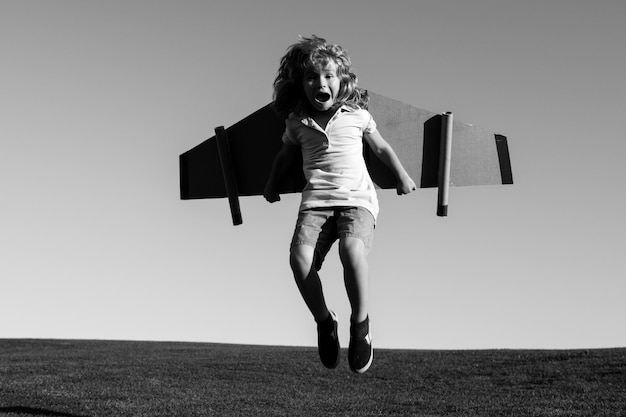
(307, 53)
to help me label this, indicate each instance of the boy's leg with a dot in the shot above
(353, 254)
(308, 281)
(356, 231)
(303, 266)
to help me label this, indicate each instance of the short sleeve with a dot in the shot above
(288, 135)
(370, 125)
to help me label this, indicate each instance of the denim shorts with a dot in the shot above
(321, 227)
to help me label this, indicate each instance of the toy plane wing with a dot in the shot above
(435, 150)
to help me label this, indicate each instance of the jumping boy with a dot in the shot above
(327, 123)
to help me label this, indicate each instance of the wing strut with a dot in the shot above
(445, 153)
(228, 171)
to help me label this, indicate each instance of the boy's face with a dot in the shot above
(321, 86)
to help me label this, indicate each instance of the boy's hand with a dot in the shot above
(271, 196)
(405, 185)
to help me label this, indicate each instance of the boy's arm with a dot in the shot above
(282, 163)
(385, 152)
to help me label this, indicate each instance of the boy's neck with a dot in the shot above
(322, 117)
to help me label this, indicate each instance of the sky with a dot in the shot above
(99, 98)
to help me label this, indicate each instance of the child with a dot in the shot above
(327, 123)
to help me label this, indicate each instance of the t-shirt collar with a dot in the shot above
(308, 120)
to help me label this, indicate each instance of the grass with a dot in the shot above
(113, 378)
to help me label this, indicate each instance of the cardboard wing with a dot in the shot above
(237, 160)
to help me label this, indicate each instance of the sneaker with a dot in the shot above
(328, 341)
(360, 352)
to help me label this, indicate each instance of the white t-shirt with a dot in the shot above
(333, 162)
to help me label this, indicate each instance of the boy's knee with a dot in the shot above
(301, 258)
(352, 250)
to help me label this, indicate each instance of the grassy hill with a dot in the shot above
(73, 378)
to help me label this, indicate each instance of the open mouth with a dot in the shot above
(322, 97)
